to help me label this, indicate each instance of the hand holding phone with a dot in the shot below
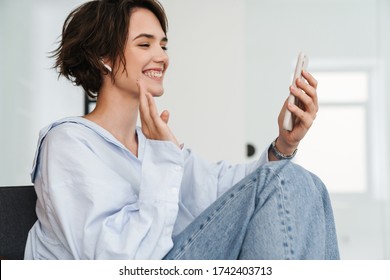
(289, 119)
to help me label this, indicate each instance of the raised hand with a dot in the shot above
(306, 92)
(154, 126)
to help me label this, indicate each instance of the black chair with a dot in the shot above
(17, 216)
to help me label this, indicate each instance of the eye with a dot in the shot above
(165, 48)
(144, 45)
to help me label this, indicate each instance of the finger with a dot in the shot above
(312, 91)
(305, 118)
(165, 116)
(142, 95)
(307, 88)
(307, 105)
(309, 95)
(310, 79)
(306, 101)
(152, 108)
(159, 125)
(144, 105)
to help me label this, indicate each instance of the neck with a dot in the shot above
(117, 113)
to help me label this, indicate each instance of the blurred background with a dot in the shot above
(231, 63)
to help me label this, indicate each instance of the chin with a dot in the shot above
(156, 92)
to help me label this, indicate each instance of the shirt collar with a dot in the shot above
(96, 128)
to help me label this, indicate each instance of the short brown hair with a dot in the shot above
(95, 30)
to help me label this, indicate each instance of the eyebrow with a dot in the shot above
(149, 36)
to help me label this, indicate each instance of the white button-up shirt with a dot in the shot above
(96, 200)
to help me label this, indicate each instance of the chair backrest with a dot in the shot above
(17, 216)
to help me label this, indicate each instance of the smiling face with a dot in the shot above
(145, 54)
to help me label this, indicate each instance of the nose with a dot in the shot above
(161, 56)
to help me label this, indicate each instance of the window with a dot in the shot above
(348, 123)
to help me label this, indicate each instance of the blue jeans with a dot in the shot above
(280, 211)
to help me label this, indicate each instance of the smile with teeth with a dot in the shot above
(153, 74)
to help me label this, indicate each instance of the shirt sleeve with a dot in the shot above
(95, 213)
(228, 175)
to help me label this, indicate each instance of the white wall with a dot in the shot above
(30, 94)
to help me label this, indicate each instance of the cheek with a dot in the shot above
(127, 80)
(134, 72)
(134, 67)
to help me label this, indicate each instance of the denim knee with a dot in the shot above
(287, 177)
(287, 170)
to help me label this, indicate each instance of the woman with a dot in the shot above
(108, 189)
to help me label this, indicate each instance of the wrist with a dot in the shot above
(282, 152)
(284, 147)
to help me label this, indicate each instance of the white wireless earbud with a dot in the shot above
(106, 66)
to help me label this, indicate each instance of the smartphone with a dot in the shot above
(302, 62)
